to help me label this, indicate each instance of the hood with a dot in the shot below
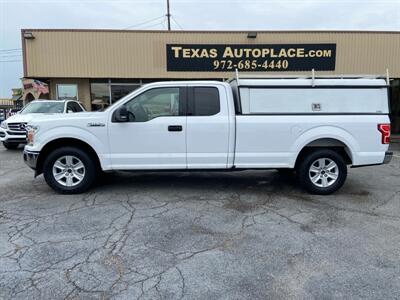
(18, 118)
(67, 118)
(29, 118)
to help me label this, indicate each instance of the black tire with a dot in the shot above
(84, 157)
(10, 146)
(309, 159)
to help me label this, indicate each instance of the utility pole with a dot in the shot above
(168, 16)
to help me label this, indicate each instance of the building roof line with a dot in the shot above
(209, 31)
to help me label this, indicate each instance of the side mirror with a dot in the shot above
(121, 114)
(69, 111)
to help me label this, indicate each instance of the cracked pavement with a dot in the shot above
(239, 235)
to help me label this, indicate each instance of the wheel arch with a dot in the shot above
(334, 144)
(61, 142)
(326, 136)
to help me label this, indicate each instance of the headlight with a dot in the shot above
(31, 130)
(4, 125)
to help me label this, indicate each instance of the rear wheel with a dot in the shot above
(322, 172)
(69, 170)
(10, 146)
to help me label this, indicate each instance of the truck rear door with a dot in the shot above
(208, 127)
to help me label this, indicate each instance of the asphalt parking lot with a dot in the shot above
(242, 235)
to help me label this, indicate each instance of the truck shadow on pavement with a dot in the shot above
(271, 181)
(245, 183)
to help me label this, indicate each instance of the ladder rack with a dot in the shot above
(312, 77)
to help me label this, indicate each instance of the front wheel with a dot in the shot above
(322, 172)
(69, 170)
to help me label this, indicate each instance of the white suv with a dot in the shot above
(12, 131)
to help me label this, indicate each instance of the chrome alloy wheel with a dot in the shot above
(323, 172)
(68, 170)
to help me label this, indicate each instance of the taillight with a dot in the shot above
(384, 129)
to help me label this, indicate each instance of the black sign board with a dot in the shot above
(248, 58)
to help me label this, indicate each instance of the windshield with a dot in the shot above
(43, 107)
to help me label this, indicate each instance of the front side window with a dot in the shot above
(78, 108)
(70, 107)
(159, 102)
(67, 92)
(73, 107)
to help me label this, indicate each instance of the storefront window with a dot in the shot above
(105, 92)
(67, 92)
(100, 95)
(120, 90)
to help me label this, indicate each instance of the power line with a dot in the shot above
(143, 23)
(11, 50)
(11, 60)
(176, 22)
(163, 22)
(11, 55)
(150, 26)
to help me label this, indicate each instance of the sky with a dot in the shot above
(187, 15)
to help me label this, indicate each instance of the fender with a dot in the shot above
(99, 146)
(321, 132)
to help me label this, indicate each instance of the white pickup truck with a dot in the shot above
(313, 126)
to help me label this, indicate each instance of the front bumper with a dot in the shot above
(388, 157)
(12, 137)
(30, 158)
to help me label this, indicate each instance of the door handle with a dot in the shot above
(174, 128)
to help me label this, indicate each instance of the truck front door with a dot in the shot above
(155, 135)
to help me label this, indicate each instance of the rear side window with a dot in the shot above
(205, 101)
